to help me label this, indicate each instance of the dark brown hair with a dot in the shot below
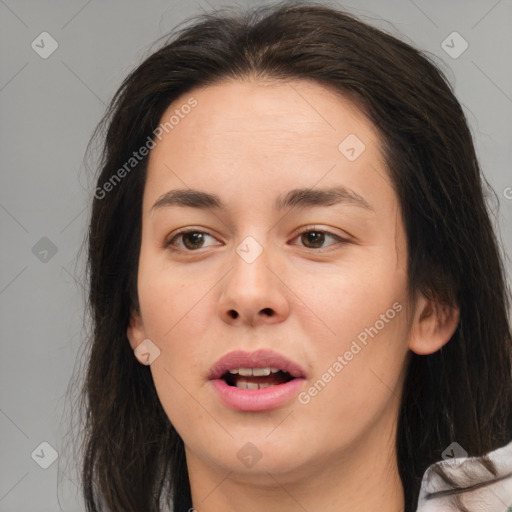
(133, 459)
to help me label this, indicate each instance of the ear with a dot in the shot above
(135, 331)
(433, 326)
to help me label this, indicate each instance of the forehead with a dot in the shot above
(275, 111)
(266, 134)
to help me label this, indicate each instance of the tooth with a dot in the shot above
(261, 372)
(243, 384)
(245, 372)
(234, 372)
(274, 370)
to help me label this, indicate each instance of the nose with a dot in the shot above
(253, 290)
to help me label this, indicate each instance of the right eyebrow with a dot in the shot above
(189, 198)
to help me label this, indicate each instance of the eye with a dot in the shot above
(191, 240)
(314, 238)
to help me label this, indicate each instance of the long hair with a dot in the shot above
(133, 459)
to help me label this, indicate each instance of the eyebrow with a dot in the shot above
(296, 198)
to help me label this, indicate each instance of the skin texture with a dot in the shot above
(249, 142)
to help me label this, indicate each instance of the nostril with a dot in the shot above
(267, 311)
(233, 313)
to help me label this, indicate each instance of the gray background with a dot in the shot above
(48, 110)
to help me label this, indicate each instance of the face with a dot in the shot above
(311, 282)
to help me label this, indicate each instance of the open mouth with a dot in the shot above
(256, 378)
(256, 381)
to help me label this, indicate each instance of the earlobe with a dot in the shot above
(143, 348)
(433, 326)
(135, 331)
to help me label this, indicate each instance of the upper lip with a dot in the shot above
(257, 359)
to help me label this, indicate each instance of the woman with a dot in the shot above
(296, 291)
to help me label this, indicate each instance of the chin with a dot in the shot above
(250, 454)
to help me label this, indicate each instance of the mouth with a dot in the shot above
(256, 381)
(256, 378)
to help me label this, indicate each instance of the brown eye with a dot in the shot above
(190, 241)
(193, 239)
(315, 239)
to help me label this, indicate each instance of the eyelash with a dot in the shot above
(169, 244)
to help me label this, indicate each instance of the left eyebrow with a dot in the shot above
(310, 198)
(296, 198)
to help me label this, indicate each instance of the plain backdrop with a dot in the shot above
(48, 110)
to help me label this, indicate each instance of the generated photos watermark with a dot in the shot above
(138, 156)
(357, 345)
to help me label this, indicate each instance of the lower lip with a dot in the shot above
(263, 399)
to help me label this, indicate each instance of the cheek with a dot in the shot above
(186, 409)
(359, 351)
(172, 301)
(176, 319)
(344, 302)
(176, 315)
(357, 378)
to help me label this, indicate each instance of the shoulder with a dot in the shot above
(461, 471)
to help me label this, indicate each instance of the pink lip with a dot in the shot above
(256, 359)
(256, 399)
